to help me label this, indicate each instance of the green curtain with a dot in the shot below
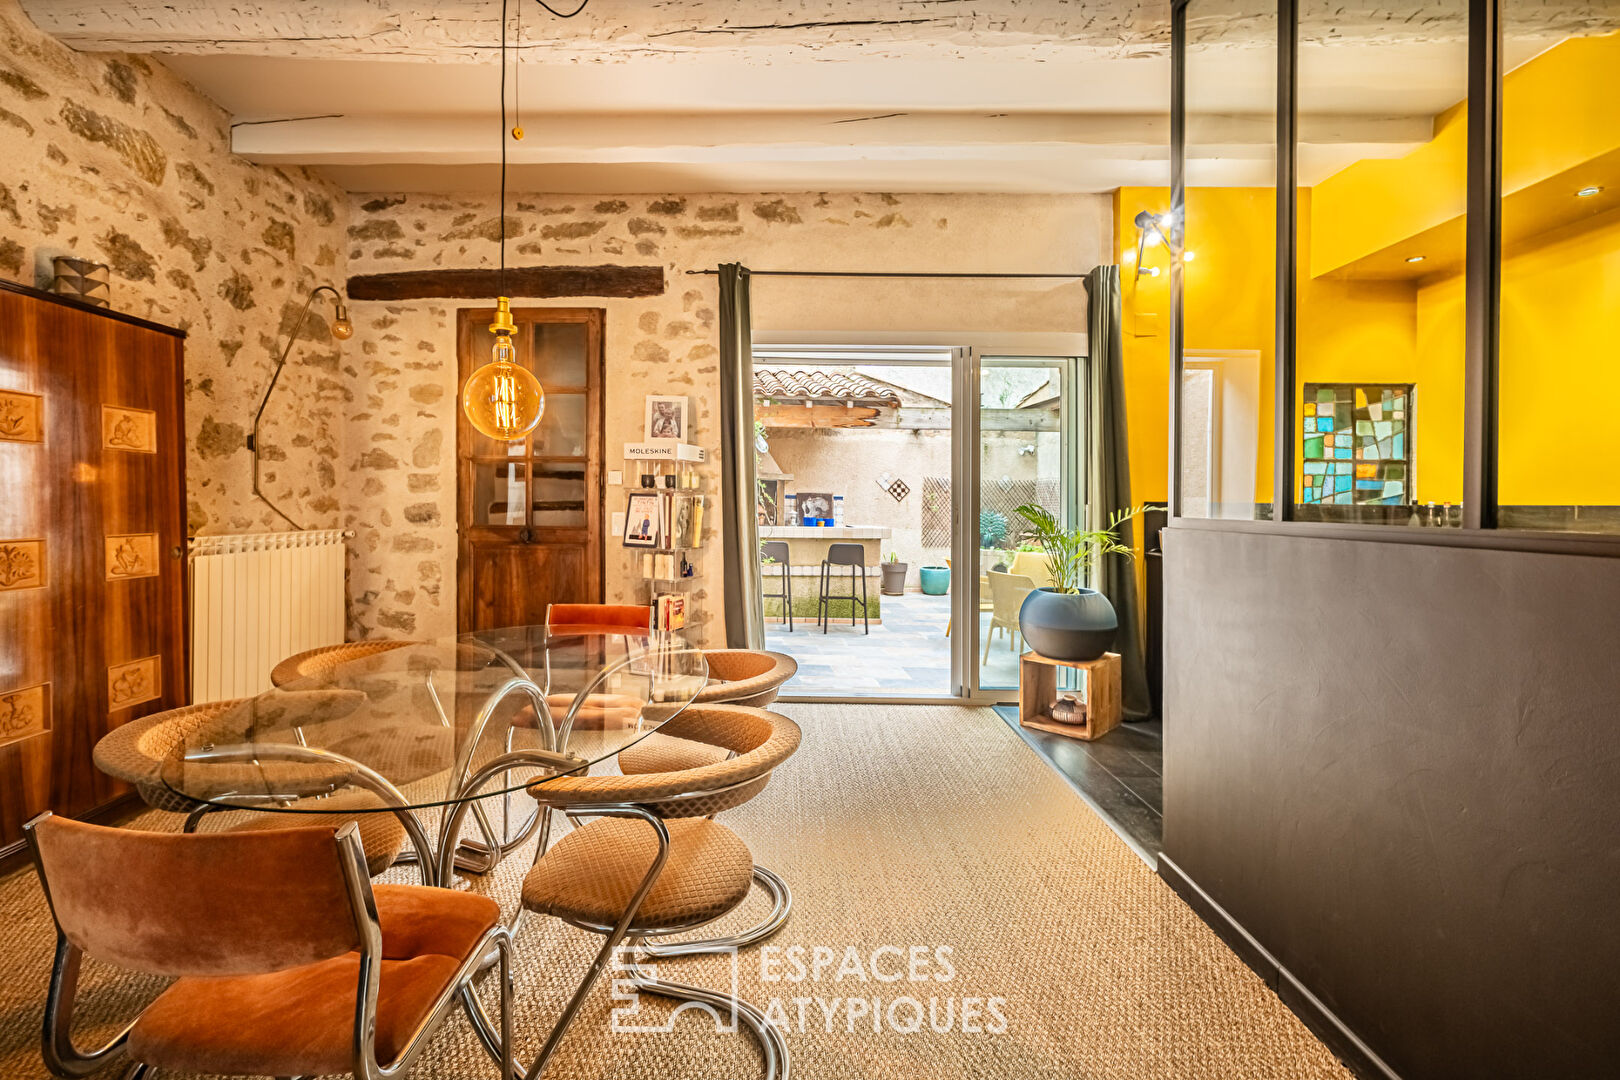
(1108, 486)
(739, 526)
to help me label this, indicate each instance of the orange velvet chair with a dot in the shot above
(286, 960)
(598, 618)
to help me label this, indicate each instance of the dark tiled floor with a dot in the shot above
(1121, 774)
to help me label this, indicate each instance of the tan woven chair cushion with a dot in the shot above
(134, 752)
(662, 753)
(324, 659)
(381, 834)
(762, 740)
(591, 875)
(745, 676)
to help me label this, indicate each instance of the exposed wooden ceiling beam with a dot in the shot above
(535, 282)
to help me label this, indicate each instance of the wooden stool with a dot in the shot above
(1037, 690)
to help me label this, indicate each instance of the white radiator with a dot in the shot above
(258, 598)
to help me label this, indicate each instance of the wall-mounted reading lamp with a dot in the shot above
(1152, 229)
(342, 329)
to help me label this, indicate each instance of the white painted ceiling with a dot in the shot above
(799, 95)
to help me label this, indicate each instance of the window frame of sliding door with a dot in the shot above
(921, 344)
(1482, 288)
(1075, 444)
(967, 351)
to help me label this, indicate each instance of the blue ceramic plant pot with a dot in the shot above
(1068, 626)
(936, 580)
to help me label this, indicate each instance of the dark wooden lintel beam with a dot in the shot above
(521, 282)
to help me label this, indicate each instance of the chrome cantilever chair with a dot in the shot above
(745, 676)
(654, 863)
(739, 677)
(287, 961)
(134, 752)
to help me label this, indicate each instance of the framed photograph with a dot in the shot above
(643, 519)
(815, 505)
(667, 418)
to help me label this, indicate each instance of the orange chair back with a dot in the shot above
(598, 618)
(200, 904)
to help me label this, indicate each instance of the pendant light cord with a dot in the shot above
(559, 14)
(503, 149)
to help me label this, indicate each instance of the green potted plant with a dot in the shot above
(894, 575)
(1066, 620)
(992, 528)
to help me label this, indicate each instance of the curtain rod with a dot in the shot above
(885, 274)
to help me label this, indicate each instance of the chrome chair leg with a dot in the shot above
(782, 905)
(615, 937)
(771, 1043)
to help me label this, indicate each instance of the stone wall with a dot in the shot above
(400, 423)
(115, 159)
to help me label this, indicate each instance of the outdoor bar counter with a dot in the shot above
(807, 546)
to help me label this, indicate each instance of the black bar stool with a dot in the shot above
(854, 557)
(777, 551)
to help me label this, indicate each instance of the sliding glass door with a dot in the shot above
(894, 473)
(1026, 453)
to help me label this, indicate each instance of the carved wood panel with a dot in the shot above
(135, 430)
(92, 622)
(22, 564)
(25, 713)
(22, 416)
(132, 556)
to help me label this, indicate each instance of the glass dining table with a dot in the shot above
(436, 732)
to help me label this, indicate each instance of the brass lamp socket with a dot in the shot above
(503, 317)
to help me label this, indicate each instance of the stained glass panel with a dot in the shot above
(1354, 444)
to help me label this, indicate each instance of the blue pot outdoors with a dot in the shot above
(936, 580)
(1068, 626)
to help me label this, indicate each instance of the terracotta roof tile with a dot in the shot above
(812, 384)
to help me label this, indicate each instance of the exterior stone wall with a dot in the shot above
(401, 367)
(113, 158)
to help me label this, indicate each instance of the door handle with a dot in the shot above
(525, 536)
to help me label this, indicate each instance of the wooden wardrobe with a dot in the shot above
(92, 544)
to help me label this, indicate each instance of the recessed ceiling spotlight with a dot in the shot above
(1416, 258)
(1188, 256)
(1588, 192)
(1151, 271)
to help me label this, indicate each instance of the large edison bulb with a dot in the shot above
(503, 399)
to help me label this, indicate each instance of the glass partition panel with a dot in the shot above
(1383, 186)
(1559, 380)
(1227, 246)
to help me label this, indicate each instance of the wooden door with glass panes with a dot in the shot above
(530, 512)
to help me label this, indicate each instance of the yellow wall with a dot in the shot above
(1230, 287)
(1560, 367)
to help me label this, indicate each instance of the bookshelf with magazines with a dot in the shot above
(665, 519)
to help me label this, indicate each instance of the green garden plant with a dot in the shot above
(1070, 552)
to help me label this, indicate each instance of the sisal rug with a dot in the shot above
(959, 913)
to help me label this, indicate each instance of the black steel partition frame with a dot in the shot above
(1482, 289)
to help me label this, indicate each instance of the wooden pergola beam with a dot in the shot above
(780, 414)
(532, 282)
